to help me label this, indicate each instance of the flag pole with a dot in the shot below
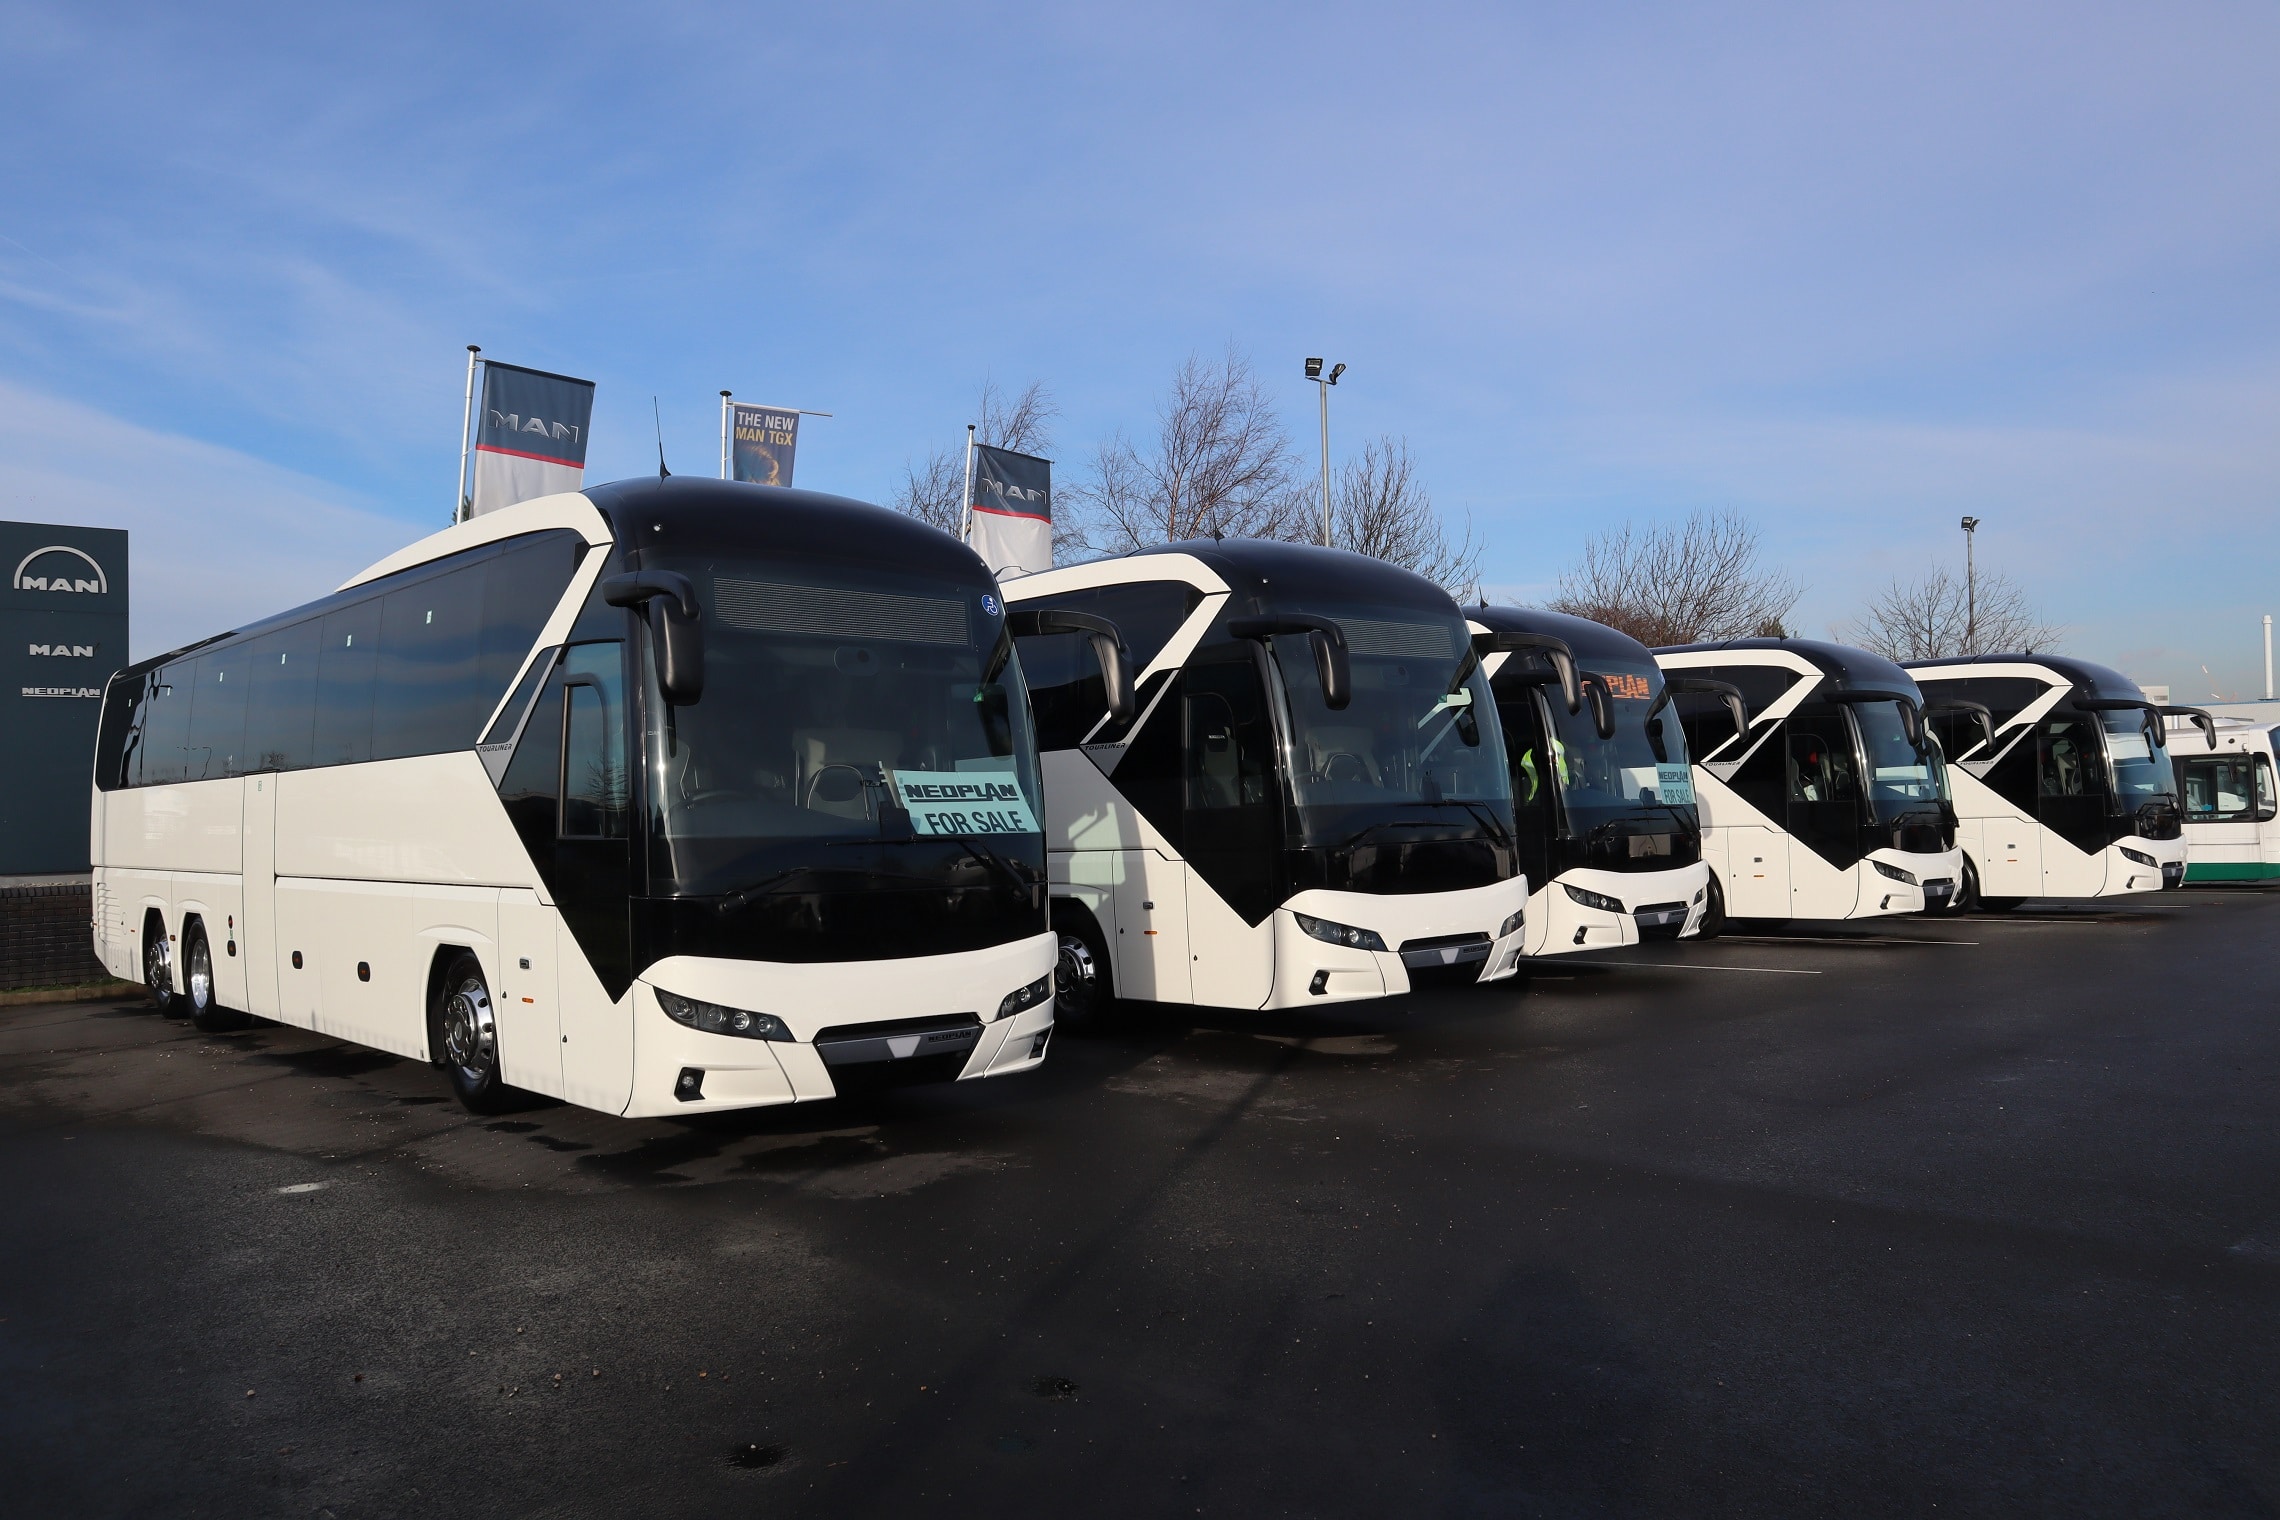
(966, 502)
(724, 435)
(460, 503)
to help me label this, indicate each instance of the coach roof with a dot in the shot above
(1844, 666)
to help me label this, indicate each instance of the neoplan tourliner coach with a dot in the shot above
(2062, 781)
(668, 796)
(1304, 798)
(1609, 840)
(1831, 801)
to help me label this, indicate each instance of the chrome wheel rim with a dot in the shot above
(158, 969)
(198, 977)
(470, 1037)
(1076, 980)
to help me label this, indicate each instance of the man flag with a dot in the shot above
(1012, 511)
(532, 437)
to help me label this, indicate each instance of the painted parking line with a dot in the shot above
(1694, 966)
(1835, 939)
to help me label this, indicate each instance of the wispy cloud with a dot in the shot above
(217, 538)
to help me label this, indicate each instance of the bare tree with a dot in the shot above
(1380, 508)
(935, 492)
(1679, 584)
(1219, 463)
(1932, 618)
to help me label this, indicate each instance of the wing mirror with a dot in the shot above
(1107, 646)
(1553, 649)
(1331, 664)
(1602, 707)
(1724, 691)
(675, 624)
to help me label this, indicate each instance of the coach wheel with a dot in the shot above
(158, 965)
(198, 984)
(1713, 912)
(1081, 991)
(466, 1037)
(1966, 897)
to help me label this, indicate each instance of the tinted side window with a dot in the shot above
(1065, 689)
(1763, 780)
(347, 658)
(217, 714)
(115, 734)
(281, 704)
(593, 743)
(166, 724)
(524, 585)
(1707, 723)
(428, 691)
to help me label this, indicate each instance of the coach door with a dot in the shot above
(257, 929)
(1232, 827)
(592, 881)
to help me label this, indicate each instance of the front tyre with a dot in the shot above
(1081, 989)
(464, 1034)
(1713, 912)
(198, 985)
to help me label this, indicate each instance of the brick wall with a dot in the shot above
(46, 939)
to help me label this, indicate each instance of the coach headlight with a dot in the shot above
(2140, 856)
(1514, 924)
(1339, 934)
(1897, 874)
(712, 1018)
(1036, 992)
(1589, 899)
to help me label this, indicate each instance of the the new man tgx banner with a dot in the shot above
(762, 444)
(1012, 511)
(530, 437)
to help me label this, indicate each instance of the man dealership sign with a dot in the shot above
(63, 630)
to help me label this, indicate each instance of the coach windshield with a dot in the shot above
(1419, 731)
(854, 724)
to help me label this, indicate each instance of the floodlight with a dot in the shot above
(1336, 372)
(1314, 369)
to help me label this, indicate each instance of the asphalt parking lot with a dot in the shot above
(1978, 1214)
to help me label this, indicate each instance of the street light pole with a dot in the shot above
(1322, 383)
(1970, 587)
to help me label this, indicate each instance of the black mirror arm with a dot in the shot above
(1331, 664)
(1702, 686)
(2201, 720)
(634, 589)
(1553, 649)
(1107, 644)
(676, 622)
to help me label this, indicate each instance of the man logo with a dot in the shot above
(553, 432)
(70, 651)
(100, 585)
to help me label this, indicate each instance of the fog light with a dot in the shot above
(1894, 872)
(1599, 900)
(1039, 991)
(2140, 857)
(691, 1086)
(1339, 934)
(1514, 924)
(712, 1018)
(1037, 1043)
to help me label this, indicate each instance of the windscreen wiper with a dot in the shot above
(742, 896)
(977, 850)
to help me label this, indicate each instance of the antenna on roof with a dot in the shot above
(662, 472)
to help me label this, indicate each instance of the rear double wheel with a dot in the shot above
(158, 966)
(463, 1031)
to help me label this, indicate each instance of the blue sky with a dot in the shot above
(1852, 270)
